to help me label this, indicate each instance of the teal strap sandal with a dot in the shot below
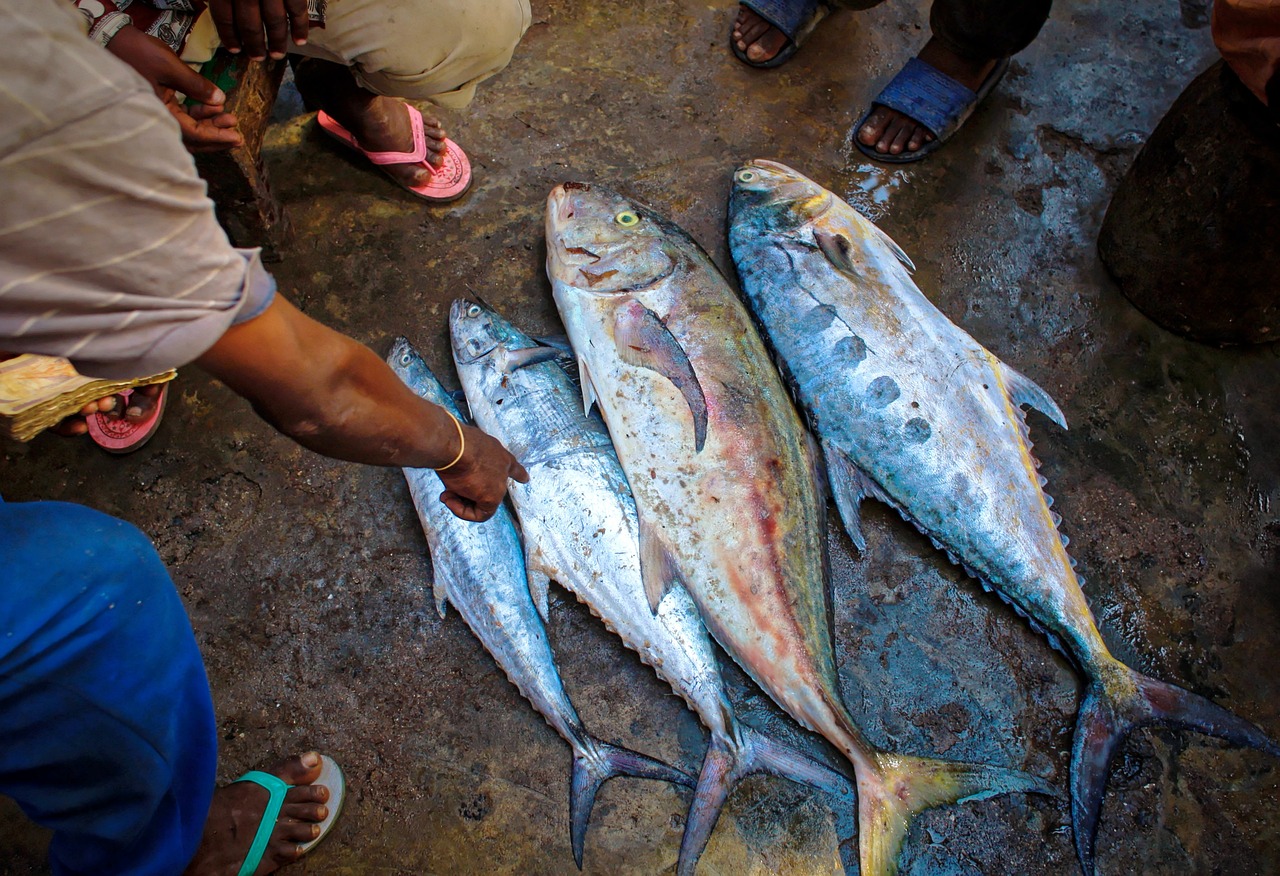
(330, 776)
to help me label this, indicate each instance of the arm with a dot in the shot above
(333, 395)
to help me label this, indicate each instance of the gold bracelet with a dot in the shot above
(462, 440)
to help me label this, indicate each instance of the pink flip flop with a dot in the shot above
(448, 182)
(118, 435)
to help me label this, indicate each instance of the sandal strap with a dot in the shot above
(929, 96)
(795, 18)
(277, 788)
(419, 152)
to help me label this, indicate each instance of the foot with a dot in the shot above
(135, 409)
(237, 809)
(383, 125)
(890, 132)
(756, 38)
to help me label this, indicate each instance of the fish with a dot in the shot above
(479, 569)
(912, 411)
(581, 529)
(724, 481)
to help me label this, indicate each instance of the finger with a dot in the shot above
(180, 77)
(299, 20)
(224, 20)
(520, 473)
(249, 27)
(276, 22)
(465, 508)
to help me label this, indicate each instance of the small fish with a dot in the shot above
(914, 412)
(581, 529)
(479, 568)
(724, 482)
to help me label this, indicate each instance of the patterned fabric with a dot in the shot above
(169, 21)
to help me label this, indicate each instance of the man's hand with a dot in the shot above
(474, 487)
(205, 127)
(241, 24)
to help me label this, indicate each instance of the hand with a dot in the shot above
(475, 486)
(241, 24)
(205, 127)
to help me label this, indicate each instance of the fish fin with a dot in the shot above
(459, 399)
(897, 251)
(657, 569)
(839, 251)
(727, 762)
(645, 341)
(588, 388)
(902, 787)
(539, 584)
(526, 356)
(558, 342)
(849, 486)
(440, 588)
(1115, 704)
(599, 763)
(1024, 391)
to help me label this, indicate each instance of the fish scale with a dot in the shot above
(581, 529)
(970, 482)
(724, 482)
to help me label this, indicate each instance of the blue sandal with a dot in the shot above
(330, 776)
(795, 18)
(933, 99)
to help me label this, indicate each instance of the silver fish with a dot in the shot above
(723, 479)
(580, 528)
(479, 568)
(914, 412)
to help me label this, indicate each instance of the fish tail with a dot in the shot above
(729, 761)
(1117, 701)
(596, 763)
(902, 787)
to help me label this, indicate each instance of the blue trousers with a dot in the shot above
(107, 734)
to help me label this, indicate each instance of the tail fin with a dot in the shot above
(598, 762)
(1114, 705)
(903, 787)
(728, 762)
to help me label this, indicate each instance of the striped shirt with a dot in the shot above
(110, 254)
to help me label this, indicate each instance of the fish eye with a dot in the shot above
(473, 310)
(627, 219)
(746, 176)
(404, 359)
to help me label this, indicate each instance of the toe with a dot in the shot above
(302, 769)
(873, 127)
(305, 812)
(901, 135)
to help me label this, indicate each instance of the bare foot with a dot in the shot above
(383, 125)
(237, 809)
(759, 40)
(135, 409)
(892, 133)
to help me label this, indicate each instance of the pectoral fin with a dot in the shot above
(657, 568)
(588, 390)
(645, 341)
(849, 486)
(539, 583)
(526, 356)
(440, 588)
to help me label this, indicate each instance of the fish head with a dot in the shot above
(412, 369)
(478, 331)
(774, 197)
(604, 243)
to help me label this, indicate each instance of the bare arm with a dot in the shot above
(333, 395)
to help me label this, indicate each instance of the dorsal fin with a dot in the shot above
(897, 251)
(1024, 391)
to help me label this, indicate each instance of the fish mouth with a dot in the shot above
(469, 346)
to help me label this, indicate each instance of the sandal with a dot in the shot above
(330, 776)
(795, 18)
(448, 182)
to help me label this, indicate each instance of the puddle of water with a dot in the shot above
(871, 188)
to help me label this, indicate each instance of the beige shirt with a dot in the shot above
(110, 254)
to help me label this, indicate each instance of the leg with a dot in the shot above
(371, 54)
(969, 38)
(94, 642)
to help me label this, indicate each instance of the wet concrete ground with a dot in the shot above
(307, 580)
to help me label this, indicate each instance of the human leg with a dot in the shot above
(371, 56)
(766, 33)
(106, 723)
(970, 38)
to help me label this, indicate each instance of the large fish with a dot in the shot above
(479, 568)
(723, 479)
(580, 529)
(914, 412)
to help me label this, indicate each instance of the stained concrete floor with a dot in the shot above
(307, 580)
